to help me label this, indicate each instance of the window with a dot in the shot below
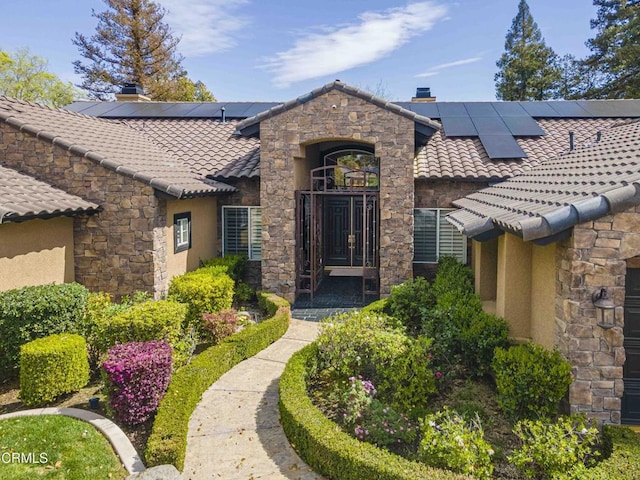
(181, 232)
(242, 231)
(434, 237)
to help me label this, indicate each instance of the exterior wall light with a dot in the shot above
(605, 309)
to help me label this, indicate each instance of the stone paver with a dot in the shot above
(235, 431)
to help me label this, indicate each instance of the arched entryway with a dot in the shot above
(337, 222)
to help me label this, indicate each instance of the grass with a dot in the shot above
(55, 447)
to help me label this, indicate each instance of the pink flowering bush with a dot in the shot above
(137, 376)
(370, 420)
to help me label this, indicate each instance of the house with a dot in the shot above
(338, 183)
(131, 203)
(556, 252)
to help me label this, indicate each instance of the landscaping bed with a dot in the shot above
(426, 385)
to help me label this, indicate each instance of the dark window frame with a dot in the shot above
(181, 247)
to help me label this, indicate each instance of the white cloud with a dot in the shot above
(206, 26)
(436, 69)
(336, 49)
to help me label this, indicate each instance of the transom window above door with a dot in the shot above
(353, 168)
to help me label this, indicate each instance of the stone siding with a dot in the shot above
(595, 256)
(441, 193)
(121, 249)
(335, 116)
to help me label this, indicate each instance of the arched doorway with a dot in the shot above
(337, 222)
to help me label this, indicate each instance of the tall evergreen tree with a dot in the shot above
(528, 68)
(132, 44)
(615, 49)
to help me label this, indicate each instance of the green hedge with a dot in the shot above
(329, 450)
(236, 265)
(168, 441)
(151, 320)
(35, 312)
(624, 462)
(205, 290)
(52, 366)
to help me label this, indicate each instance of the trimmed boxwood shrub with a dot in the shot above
(35, 312)
(205, 290)
(530, 381)
(137, 375)
(52, 366)
(151, 320)
(168, 441)
(326, 447)
(236, 265)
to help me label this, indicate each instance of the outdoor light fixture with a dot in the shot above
(605, 309)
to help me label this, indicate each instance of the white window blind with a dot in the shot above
(434, 237)
(242, 231)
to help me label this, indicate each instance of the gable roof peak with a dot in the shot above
(336, 85)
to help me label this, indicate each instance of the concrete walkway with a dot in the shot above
(235, 431)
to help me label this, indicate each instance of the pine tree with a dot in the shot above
(615, 49)
(132, 44)
(528, 69)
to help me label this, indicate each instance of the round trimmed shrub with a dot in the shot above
(530, 380)
(52, 366)
(35, 312)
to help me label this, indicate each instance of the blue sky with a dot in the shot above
(275, 50)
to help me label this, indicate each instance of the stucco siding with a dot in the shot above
(203, 234)
(36, 252)
(543, 292)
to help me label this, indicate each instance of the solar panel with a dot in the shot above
(123, 110)
(505, 109)
(523, 126)
(480, 109)
(177, 110)
(451, 109)
(459, 127)
(490, 126)
(102, 109)
(144, 109)
(502, 147)
(599, 108)
(257, 108)
(539, 109)
(235, 110)
(426, 109)
(568, 109)
(206, 110)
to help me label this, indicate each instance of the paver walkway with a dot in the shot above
(235, 431)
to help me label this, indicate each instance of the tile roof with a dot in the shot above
(205, 146)
(337, 85)
(111, 144)
(465, 158)
(589, 182)
(23, 198)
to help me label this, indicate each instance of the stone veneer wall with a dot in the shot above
(441, 193)
(121, 249)
(283, 137)
(595, 256)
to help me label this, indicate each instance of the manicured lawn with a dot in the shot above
(55, 447)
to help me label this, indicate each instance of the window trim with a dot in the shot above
(440, 212)
(181, 246)
(251, 230)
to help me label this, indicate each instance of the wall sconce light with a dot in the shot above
(605, 309)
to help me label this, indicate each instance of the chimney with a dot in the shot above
(132, 92)
(423, 94)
